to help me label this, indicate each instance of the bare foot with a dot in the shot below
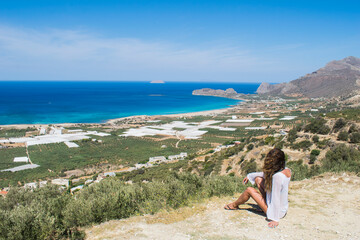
(231, 206)
(273, 224)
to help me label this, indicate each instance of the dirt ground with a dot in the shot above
(325, 207)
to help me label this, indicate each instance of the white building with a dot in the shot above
(61, 182)
(180, 156)
(56, 131)
(158, 159)
(42, 183)
(42, 131)
(76, 188)
(109, 174)
(141, 165)
(31, 185)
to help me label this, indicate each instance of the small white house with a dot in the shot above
(233, 117)
(31, 185)
(42, 131)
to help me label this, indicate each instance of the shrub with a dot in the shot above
(315, 138)
(323, 144)
(313, 155)
(343, 136)
(355, 137)
(315, 152)
(352, 129)
(340, 123)
(312, 159)
(279, 144)
(342, 158)
(299, 171)
(248, 166)
(208, 168)
(270, 140)
(304, 145)
(292, 135)
(50, 213)
(317, 125)
(250, 147)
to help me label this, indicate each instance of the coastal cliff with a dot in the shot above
(228, 93)
(337, 78)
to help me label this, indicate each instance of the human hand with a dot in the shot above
(245, 180)
(273, 224)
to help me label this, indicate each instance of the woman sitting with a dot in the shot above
(273, 184)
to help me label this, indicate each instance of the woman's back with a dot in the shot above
(277, 199)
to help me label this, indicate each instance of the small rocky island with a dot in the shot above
(228, 93)
(157, 81)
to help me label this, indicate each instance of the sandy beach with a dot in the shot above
(113, 121)
(189, 114)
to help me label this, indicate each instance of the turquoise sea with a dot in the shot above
(31, 102)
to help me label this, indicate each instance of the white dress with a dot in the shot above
(277, 199)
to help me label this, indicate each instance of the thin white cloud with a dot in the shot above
(74, 55)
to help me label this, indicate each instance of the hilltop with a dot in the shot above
(337, 219)
(337, 78)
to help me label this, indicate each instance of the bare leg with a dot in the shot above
(245, 196)
(259, 181)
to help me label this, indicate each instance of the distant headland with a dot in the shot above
(228, 93)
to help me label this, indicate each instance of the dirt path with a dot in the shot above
(326, 207)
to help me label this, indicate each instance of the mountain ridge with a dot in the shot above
(336, 78)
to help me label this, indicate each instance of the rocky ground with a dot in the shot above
(325, 207)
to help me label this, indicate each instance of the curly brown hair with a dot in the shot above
(274, 162)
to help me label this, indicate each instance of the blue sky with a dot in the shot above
(240, 41)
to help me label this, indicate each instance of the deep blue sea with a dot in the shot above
(24, 102)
